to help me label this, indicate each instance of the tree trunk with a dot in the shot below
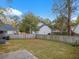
(30, 29)
(69, 16)
(17, 29)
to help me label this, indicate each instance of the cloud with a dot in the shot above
(11, 11)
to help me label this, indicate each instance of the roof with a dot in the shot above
(7, 27)
(76, 29)
(40, 25)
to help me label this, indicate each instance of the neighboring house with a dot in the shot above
(43, 29)
(8, 28)
(75, 29)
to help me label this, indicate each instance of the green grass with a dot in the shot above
(43, 49)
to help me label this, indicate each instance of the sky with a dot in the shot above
(40, 8)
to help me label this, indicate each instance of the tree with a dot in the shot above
(77, 21)
(29, 23)
(60, 23)
(47, 22)
(2, 15)
(16, 20)
(67, 8)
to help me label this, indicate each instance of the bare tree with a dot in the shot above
(67, 8)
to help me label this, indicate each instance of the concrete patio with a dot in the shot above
(21, 54)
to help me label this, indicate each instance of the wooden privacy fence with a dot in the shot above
(23, 36)
(65, 39)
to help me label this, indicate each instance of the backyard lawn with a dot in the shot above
(42, 49)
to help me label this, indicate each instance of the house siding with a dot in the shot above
(77, 30)
(44, 30)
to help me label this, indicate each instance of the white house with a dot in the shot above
(43, 29)
(76, 29)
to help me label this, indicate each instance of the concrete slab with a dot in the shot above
(21, 54)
